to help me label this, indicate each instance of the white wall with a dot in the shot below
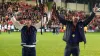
(57, 0)
(5, 1)
(79, 7)
(31, 2)
(71, 6)
(74, 6)
(86, 8)
(60, 4)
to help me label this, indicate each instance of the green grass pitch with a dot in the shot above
(48, 45)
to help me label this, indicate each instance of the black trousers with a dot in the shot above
(8, 31)
(72, 49)
(28, 51)
(54, 30)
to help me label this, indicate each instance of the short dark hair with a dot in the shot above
(29, 18)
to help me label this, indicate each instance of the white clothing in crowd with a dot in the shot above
(9, 27)
(0, 27)
(5, 26)
(12, 27)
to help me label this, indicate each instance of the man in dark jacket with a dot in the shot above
(28, 35)
(74, 33)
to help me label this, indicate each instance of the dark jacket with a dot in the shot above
(80, 26)
(28, 35)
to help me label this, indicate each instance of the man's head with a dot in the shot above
(75, 20)
(28, 21)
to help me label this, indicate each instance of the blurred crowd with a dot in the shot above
(94, 24)
(8, 9)
(70, 14)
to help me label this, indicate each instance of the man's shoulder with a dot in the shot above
(24, 27)
(31, 27)
(27, 27)
(80, 22)
(34, 27)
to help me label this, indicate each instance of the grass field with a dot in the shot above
(48, 45)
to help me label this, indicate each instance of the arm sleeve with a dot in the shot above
(38, 25)
(61, 18)
(16, 23)
(87, 21)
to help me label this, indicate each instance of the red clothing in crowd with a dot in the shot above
(10, 22)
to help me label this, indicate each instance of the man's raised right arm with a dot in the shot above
(16, 23)
(61, 18)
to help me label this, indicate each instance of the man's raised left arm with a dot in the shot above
(87, 21)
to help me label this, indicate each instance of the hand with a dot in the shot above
(95, 9)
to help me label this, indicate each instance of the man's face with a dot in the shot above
(28, 22)
(75, 20)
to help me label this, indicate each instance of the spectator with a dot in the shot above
(0, 28)
(12, 28)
